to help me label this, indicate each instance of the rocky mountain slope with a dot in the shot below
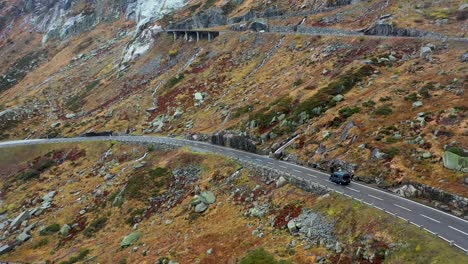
(111, 203)
(392, 109)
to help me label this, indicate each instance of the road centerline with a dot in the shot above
(402, 207)
(430, 218)
(466, 234)
(352, 189)
(375, 197)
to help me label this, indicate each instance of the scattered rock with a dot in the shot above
(55, 125)
(464, 57)
(207, 197)
(338, 98)
(407, 190)
(209, 251)
(65, 230)
(280, 182)
(5, 249)
(70, 116)
(427, 155)
(426, 51)
(292, 227)
(417, 104)
(23, 237)
(201, 207)
(377, 155)
(19, 219)
(259, 210)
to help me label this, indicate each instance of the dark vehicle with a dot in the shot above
(97, 134)
(340, 177)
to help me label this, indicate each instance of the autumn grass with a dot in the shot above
(353, 220)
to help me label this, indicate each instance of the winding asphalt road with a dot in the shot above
(450, 228)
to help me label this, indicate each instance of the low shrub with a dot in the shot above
(349, 111)
(383, 110)
(95, 226)
(174, 80)
(238, 112)
(41, 243)
(392, 152)
(147, 184)
(323, 98)
(261, 256)
(49, 230)
(457, 150)
(29, 174)
(369, 104)
(412, 97)
(297, 82)
(81, 256)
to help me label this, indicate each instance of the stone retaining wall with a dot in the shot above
(325, 31)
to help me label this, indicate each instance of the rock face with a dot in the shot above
(210, 18)
(65, 18)
(235, 140)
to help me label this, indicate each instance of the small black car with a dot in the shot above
(340, 177)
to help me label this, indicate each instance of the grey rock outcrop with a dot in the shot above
(19, 219)
(6, 248)
(384, 28)
(464, 57)
(258, 25)
(237, 140)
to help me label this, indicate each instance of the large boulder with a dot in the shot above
(201, 207)
(455, 161)
(207, 197)
(130, 239)
(407, 190)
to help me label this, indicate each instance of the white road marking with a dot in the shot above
(404, 219)
(297, 170)
(354, 190)
(375, 197)
(312, 175)
(271, 163)
(434, 233)
(284, 167)
(430, 218)
(466, 234)
(402, 207)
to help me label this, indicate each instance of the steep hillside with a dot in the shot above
(391, 108)
(113, 203)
